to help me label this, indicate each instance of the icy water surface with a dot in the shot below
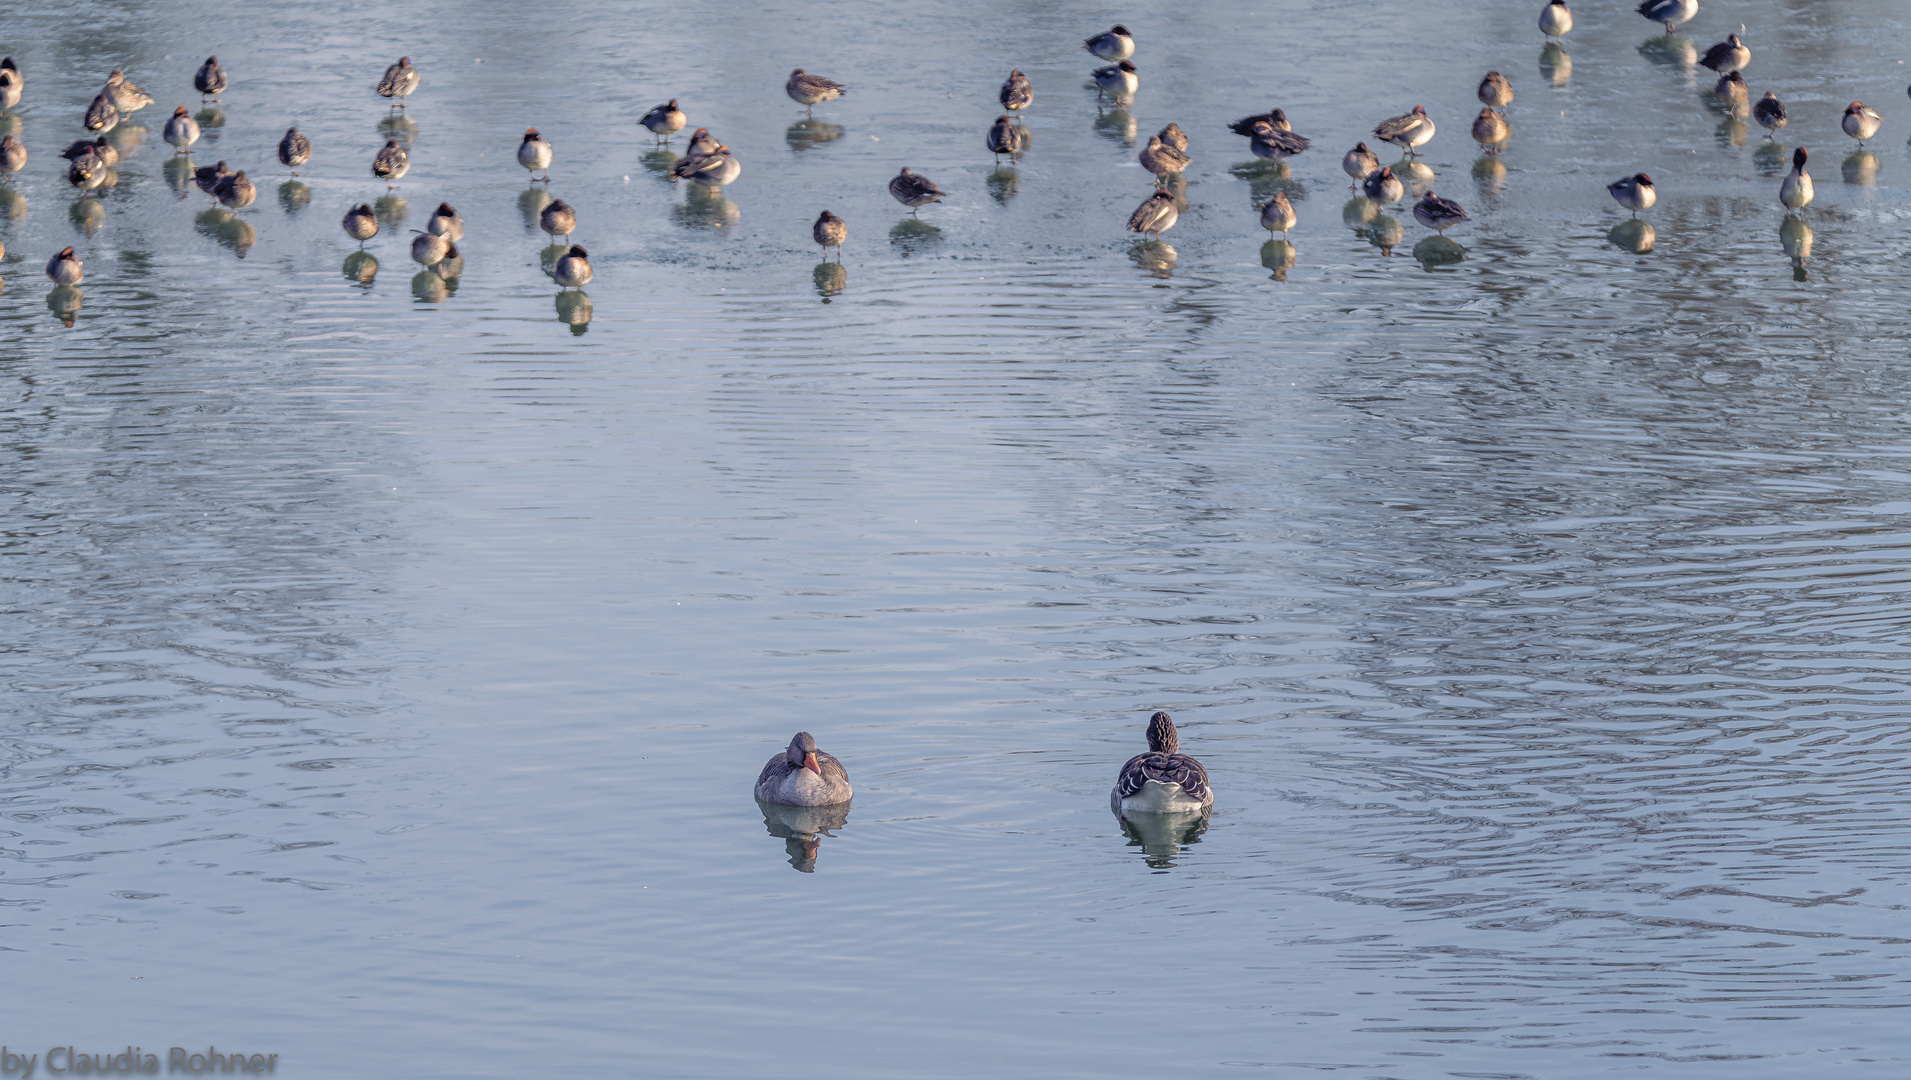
(388, 663)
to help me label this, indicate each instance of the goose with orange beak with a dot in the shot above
(803, 776)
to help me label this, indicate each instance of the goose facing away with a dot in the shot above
(446, 222)
(802, 775)
(1016, 92)
(1359, 163)
(210, 79)
(360, 223)
(1555, 19)
(391, 162)
(534, 153)
(573, 269)
(1163, 780)
(1495, 91)
(65, 268)
(830, 231)
(1003, 138)
(294, 150)
(1770, 114)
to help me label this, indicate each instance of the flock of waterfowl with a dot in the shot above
(709, 162)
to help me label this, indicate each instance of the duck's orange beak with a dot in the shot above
(809, 762)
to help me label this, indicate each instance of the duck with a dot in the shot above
(1555, 19)
(573, 269)
(1495, 91)
(13, 70)
(430, 249)
(830, 231)
(125, 97)
(1770, 114)
(101, 115)
(534, 153)
(664, 121)
(913, 191)
(1273, 118)
(1438, 214)
(1164, 780)
(181, 131)
(701, 143)
(1407, 131)
(1114, 46)
(1669, 12)
(1162, 161)
(1016, 93)
(1731, 89)
(558, 219)
(294, 150)
(716, 168)
(1359, 163)
(1728, 55)
(360, 223)
(209, 177)
(810, 91)
(1273, 144)
(236, 191)
(210, 79)
(399, 81)
(1173, 136)
(1003, 138)
(1860, 122)
(1490, 129)
(86, 169)
(446, 222)
(802, 775)
(10, 89)
(65, 268)
(101, 148)
(1116, 79)
(1383, 187)
(1278, 214)
(1155, 215)
(1795, 190)
(1634, 192)
(391, 162)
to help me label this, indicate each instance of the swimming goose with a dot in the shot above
(1728, 55)
(1490, 129)
(1407, 131)
(1359, 163)
(913, 191)
(1383, 187)
(1273, 144)
(1770, 114)
(125, 97)
(294, 150)
(1154, 216)
(665, 120)
(534, 153)
(1163, 780)
(1278, 214)
(1114, 46)
(446, 222)
(181, 131)
(830, 231)
(101, 115)
(210, 79)
(810, 91)
(1634, 192)
(1495, 91)
(399, 81)
(1003, 138)
(360, 223)
(1795, 190)
(573, 269)
(65, 268)
(1555, 19)
(1669, 12)
(1116, 79)
(1438, 214)
(802, 775)
(1860, 122)
(391, 162)
(1016, 93)
(1162, 161)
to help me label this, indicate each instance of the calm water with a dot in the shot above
(388, 665)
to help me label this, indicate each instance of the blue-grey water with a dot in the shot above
(387, 664)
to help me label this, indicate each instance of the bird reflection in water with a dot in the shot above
(912, 236)
(1358, 211)
(1771, 159)
(1116, 124)
(13, 205)
(210, 119)
(1489, 174)
(810, 132)
(88, 216)
(1635, 236)
(1384, 232)
(179, 175)
(1731, 132)
(126, 138)
(399, 126)
(64, 302)
(1861, 168)
(1674, 49)
(429, 288)
(1436, 251)
(1003, 182)
(1555, 65)
(1154, 256)
(658, 162)
(1162, 836)
(227, 228)
(531, 203)
(294, 196)
(1416, 175)
(391, 210)
(1795, 237)
(1265, 179)
(799, 827)
(10, 123)
(360, 267)
(704, 207)
(831, 279)
(574, 311)
(1278, 256)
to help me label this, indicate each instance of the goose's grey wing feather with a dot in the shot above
(1165, 769)
(833, 771)
(773, 773)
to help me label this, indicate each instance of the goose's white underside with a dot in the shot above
(1156, 797)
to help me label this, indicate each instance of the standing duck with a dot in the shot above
(1359, 163)
(391, 162)
(65, 268)
(1860, 122)
(558, 219)
(830, 231)
(664, 121)
(802, 775)
(1154, 216)
(209, 177)
(1003, 138)
(1438, 214)
(1731, 89)
(1770, 114)
(1728, 55)
(1407, 131)
(1164, 780)
(1162, 161)
(913, 191)
(1634, 192)
(1114, 46)
(360, 223)
(1555, 19)
(1795, 190)
(1495, 92)
(1016, 93)
(430, 249)
(210, 79)
(399, 81)
(101, 115)
(1278, 214)
(1383, 187)
(573, 269)
(125, 97)
(810, 91)
(1172, 136)
(294, 150)
(1669, 12)
(1490, 129)
(101, 148)
(181, 131)
(236, 191)
(446, 222)
(1117, 79)
(534, 153)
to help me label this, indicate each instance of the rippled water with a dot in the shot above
(388, 664)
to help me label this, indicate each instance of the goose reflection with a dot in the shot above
(1278, 256)
(126, 138)
(360, 267)
(1116, 124)
(87, 215)
(227, 228)
(391, 209)
(531, 203)
(429, 288)
(548, 256)
(1358, 211)
(64, 302)
(1154, 256)
(178, 172)
(912, 236)
(1674, 49)
(810, 132)
(574, 311)
(1384, 232)
(12, 204)
(1861, 168)
(399, 126)
(210, 120)
(294, 196)
(11, 124)
(704, 207)
(1555, 65)
(657, 161)
(1162, 836)
(1731, 131)
(1416, 175)
(1794, 236)
(1633, 235)
(1266, 179)
(1437, 250)
(831, 279)
(1489, 174)
(799, 827)
(1770, 159)
(1003, 182)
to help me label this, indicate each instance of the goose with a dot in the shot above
(1173, 136)
(209, 177)
(810, 91)
(1278, 214)
(558, 219)
(181, 131)
(1359, 163)
(446, 222)
(399, 81)
(1273, 118)
(1383, 187)
(1163, 780)
(1162, 161)
(1273, 144)
(1770, 114)
(429, 249)
(101, 115)
(65, 268)
(1490, 129)
(100, 148)
(125, 97)
(391, 162)
(1861, 122)
(1728, 55)
(802, 775)
(1116, 79)
(1003, 138)
(1114, 46)
(236, 191)
(1731, 89)
(360, 223)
